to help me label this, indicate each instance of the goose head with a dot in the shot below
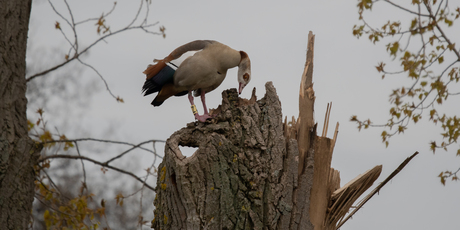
(244, 71)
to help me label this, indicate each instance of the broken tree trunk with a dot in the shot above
(243, 175)
(254, 171)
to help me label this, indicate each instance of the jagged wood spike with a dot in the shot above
(328, 118)
(306, 104)
(336, 133)
(325, 120)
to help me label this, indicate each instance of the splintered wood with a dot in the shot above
(328, 203)
(343, 198)
(306, 121)
(326, 119)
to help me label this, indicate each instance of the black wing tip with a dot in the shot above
(156, 103)
(155, 83)
(150, 87)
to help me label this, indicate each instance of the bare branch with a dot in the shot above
(407, 10)
(104, 164)
(98, 163)
(113, 142)
(102, 78)
(127, 151)
(50, 69)
(72, 45)
(439, 7)
(442, 32)
(73, 27)
(137, 14)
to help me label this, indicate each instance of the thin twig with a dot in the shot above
(95, 19)
(58, 192)
(442, 32)
(137, 14)
(439, 7)
(83, 168)
(73, 27)
(59, 14)
(142, 195)
(40, 198)
(100, 76)
(123, 153)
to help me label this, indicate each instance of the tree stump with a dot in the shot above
(254, 171)
(244, 174)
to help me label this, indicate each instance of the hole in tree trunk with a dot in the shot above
(188, 151)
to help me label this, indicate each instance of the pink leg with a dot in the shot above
(205, 116)
(203, 100)
(190, 97)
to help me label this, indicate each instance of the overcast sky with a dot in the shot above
(274, 34)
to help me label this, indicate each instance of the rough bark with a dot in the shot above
(18, 153)
(244, 174)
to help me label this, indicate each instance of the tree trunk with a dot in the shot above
(19, 153)
(244, 174)
(252, 171)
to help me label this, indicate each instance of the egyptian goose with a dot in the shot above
(200, 73)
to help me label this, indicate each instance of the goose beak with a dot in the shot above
(240, 89)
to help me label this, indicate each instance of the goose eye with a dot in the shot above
(246, 77)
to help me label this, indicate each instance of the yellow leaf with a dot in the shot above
(47, 218)
(30, 125)
(380, 67)
(433, 146)
(40, 111)
(394, 48)
(443, 180)
(439, 100)
(384, 135)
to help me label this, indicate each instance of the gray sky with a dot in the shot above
(274, 34)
